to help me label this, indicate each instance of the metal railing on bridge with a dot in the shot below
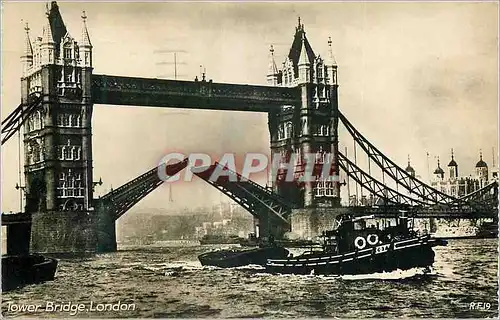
(118, 201)
(253, 197)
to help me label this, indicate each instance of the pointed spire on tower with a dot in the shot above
(481, 163)
(409, 168)
(439, 170)
(303, 58)
(331, 59)
(452, 163)
(273, 69)
(28, 49)
(47, 37)
(272, 72)
(85, 41)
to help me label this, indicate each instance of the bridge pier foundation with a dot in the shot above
(63, 232)
(309, 223)
(106, 232)
(267, 226)
(18, 239)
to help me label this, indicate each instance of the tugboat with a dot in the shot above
(19, 270)
(353, 248)
(253, 241)
(231, 258)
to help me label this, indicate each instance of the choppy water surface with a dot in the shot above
(169, 282)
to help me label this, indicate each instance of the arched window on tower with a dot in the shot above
(319, 71)
(320, 188)
(66, 119)
(36, 152)
(320, 155)
(61, 184)
(67, 53)
(37, 121)
(325, 130)
(288, 130)
(75, 153)
(281, 132)
(66, 153)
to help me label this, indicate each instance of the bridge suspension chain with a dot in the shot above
(18, 117)
(399, 175)
(374, 186)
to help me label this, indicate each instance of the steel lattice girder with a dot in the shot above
(403, 178)
(122, 199)
(251, 196)
(374, 186)
(16, 118)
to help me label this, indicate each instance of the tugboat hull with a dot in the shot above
(401, 255)
(233, 258)
(22, 270)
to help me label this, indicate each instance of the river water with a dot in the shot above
(169, 282)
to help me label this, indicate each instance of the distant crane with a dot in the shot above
(174, 62)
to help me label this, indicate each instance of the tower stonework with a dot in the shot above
(307, 129)
(57, 138)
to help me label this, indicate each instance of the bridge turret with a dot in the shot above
(409, 168)
(331, 65)
(482, 171)
(304, 65)
(85, 44)
(272, 73)
(439, 172)
(311, 127)
(57, 139)
(27, 57)
(453, 167)
(48, 45)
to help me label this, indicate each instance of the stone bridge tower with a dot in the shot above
(57, 137)
(310, 128)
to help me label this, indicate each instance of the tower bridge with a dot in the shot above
(59, 91)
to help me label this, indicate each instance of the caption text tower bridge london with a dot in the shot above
(59, 91)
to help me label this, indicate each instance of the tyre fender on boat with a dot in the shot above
(372, 239)
(360, 243)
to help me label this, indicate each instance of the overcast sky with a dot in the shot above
(414, 78)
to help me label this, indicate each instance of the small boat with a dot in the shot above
(219, 239)
(353, 248)
(235, 258)
(26, 269)
(253, 241)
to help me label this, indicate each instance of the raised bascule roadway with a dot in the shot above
(59, 91)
